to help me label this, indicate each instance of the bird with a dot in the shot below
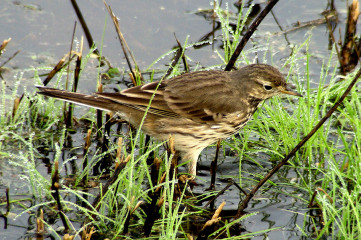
(196, 109)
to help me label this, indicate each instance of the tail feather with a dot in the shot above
(78, 98)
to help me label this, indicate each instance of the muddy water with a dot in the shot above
(42, 30)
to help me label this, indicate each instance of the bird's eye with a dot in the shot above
(267, 87)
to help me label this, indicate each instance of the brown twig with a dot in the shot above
(4, 44)
(214, 167)
(186, 67)
(357, 47)
(210, 224)
(239, 188)
(153, 208)
(249, 33)
(4, 215)
(175, 59)
(300, 25)
(106, 135)
(130, 213)
(69, 56)
(85, 154)
(16, 53)
(88, 35)
(123, 43)
(40, 226)
(222, 191)
(105, 163)
(87, 233)
(119, 157)
(314, 196)
(175, 156)
(68, 116)
(7, 200)
(16, 105)
(146, 148)
(109, 183)
(334, 41)
(55, 185)
(58, 67)
(347, 48)
(218, 194)
(280, 27)
(84, 26)
(69, 122)
(99, 113)
(77, 66)
(316, 206)
(154, 170)
(250, 195)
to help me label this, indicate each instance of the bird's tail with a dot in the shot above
(78, 98)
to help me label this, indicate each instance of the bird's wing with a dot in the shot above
(139, 98)
(205, 96)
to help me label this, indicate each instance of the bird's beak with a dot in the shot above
(289, 91)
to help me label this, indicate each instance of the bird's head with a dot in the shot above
(263, 81)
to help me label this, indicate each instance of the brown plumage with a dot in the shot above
(196, 108)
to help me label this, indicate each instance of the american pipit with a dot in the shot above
(196, 108)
